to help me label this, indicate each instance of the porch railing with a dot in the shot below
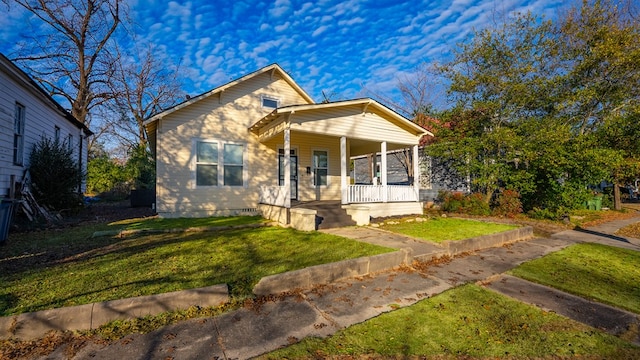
(273, 195)
(375, 193)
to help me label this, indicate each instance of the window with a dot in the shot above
(70, 143)
(18, 134)
(57, 134)
(269, 102)
(233, 164)
(207, 164)
(219, 163)
(320, 166)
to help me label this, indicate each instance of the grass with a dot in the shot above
(65, 268)
(182, 223)
(603, 273)
(468, 321)
(441, 229)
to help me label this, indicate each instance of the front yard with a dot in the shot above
(440, 229)
(57, 268)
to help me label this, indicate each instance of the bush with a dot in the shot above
(55, 176)
(472, 204)
(507, 204)
(543, 214)
(104, 175)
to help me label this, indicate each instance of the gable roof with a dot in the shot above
(270, 68)
(28, 83)
(364, 102)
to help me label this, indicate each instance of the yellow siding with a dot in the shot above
(351, 122)
(224, 118)
(305, 144)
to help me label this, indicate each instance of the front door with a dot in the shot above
(294, 173)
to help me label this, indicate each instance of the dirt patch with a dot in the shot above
(106, 212)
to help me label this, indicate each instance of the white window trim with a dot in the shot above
(18, 149)
(269, 97)
(220, 164)
(313, 169)
(70, 142)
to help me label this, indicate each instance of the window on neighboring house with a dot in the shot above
(320, 167)
(70, 143)
(269, 102)
(18, 134)
(207, 163)
(57, 134)
(233, 164)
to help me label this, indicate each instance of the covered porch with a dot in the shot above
(343, 130)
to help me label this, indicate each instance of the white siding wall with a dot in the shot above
(226, 119)
(40, 120)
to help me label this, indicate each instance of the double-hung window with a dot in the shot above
(219, 163)
(320, 167)
(233, 164)
(70, 143)
(206, 163)
(18, 134)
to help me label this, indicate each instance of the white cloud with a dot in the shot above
(283, 27)
(306, 7)
(356, 20)
(280, 8)
(319, 30)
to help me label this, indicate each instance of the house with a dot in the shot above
(27, 113)
(261, 144)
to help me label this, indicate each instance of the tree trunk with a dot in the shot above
(617, 202)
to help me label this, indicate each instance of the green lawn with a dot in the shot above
(603, 273)
(63, 268)
(441, 229)
(183, 223)
(468, 321)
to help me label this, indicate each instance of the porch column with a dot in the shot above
(416, 172)
(383, 170)
(287, 168)
(344, 186)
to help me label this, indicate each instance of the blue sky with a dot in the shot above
(347, 49)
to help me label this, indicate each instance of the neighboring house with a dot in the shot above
(435, 174)
(27, 113)
(261, 144)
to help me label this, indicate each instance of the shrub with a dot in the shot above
(474, 204)
(542, 214)
(55, 176)
(507, 204)
(450, 201)
(104, 175)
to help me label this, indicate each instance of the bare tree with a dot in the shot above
(71, 58)
(418, 91)
(143, 83)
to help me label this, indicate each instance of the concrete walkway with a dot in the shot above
(324, 310)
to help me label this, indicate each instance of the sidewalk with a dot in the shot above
(324, 310)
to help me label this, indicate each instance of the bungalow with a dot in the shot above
(27, 113)
(261, 144)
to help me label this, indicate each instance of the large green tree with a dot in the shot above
(542, 106)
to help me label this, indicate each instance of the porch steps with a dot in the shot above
(330, 214)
